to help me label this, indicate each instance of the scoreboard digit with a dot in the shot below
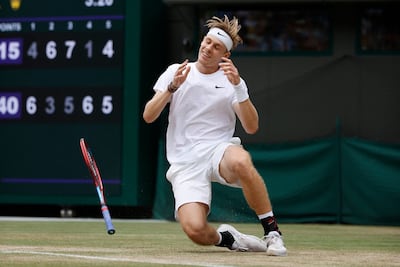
(10, 51)
(10, 105)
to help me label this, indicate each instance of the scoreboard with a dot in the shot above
(62, 77)
(50, 43)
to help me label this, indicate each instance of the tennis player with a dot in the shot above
(205, 98)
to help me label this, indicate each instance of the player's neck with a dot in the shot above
(206, 69)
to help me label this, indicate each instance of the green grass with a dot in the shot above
(153, 243)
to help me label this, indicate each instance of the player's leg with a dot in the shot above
(236, 167)
(193, 220)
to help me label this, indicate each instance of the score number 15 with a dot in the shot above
(10, 51)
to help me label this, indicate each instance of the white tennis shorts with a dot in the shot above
(191, 182)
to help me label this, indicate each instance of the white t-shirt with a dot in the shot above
(201, 114)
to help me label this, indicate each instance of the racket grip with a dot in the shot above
(107, 220)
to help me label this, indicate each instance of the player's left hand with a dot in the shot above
(230, 70)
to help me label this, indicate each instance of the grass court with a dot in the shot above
(84, 242)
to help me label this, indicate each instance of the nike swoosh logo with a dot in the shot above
(218, 87)
(220, 34)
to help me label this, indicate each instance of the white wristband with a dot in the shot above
(241, 91)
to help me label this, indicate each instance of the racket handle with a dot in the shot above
(107, 220)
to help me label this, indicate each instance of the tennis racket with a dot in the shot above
(95, 173)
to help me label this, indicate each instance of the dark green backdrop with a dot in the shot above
(333, 180)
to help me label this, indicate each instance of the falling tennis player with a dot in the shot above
(206, 97)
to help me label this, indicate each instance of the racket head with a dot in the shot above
(91, 163)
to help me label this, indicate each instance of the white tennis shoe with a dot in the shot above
(275, 246)
(243, 242)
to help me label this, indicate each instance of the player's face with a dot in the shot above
(211, 51)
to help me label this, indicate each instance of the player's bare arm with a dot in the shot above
(157, 103)
(155, 106)
(248, 116)
(245, 110)
(230, 70)
(181, 74)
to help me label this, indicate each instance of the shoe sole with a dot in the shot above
(271, 252)
(239, 236)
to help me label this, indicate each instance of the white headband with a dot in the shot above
(222, 36)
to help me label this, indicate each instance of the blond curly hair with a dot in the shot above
(231, 27)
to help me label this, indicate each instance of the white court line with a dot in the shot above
(155, 261)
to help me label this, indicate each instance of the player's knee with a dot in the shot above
(197, 232)
(242, 164)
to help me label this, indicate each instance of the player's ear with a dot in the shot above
(227, 54)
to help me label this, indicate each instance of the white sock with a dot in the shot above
(220, 238)
(265, 215)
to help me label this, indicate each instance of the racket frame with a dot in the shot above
(95, 173)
